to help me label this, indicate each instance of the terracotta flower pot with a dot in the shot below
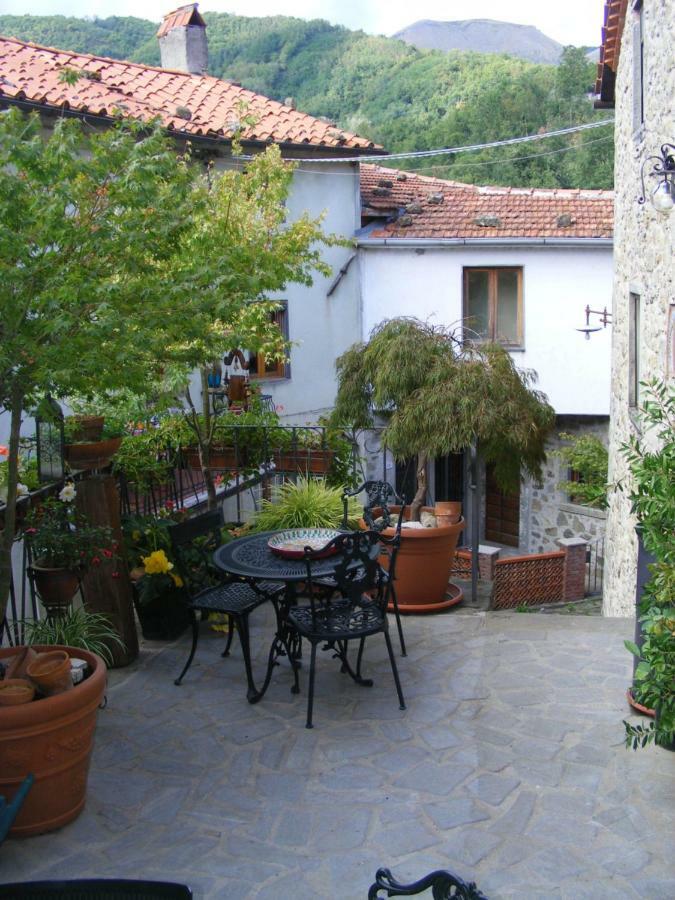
(448, 512)
(15, 691)
(56, 587)
(52, 738)
(304, 459)
(51, 672)
(88, 428)
(423, 566)
(220, 458)
(93, 455)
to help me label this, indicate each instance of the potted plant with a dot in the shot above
(651, 460)
(52, 738)
(305, 503)
(63, 545)
(439, 394)
(159, 593)
(84, 452)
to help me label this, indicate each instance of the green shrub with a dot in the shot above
(586, 455)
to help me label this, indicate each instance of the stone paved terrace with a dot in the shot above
(508, 767)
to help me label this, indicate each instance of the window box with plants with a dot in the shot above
(439, 395)
(81, 452)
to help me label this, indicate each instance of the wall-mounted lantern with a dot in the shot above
(605, 320)
(50, 441)
(662, 195)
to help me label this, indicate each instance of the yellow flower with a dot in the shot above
(135, 535)
(157, 563)
(177, 580)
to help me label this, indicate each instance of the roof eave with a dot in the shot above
(449, 243)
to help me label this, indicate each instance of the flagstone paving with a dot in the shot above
(507, 767)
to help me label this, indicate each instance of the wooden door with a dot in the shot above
(502, 513)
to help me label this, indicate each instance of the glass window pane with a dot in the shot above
(477, 312)
(507, 307)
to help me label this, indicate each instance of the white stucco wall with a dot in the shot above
(557, 285)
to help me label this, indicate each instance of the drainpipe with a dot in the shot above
(475, 520)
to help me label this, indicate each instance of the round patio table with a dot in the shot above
(251, 558)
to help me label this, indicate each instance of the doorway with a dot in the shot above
(502, 513)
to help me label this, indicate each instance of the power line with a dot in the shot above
(492, 162)
(421, 154)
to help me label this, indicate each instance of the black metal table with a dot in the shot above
(250, 558)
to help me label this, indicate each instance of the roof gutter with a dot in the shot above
(212, 140)
(448, 243)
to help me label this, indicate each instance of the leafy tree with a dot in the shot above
(118, 257)
(440, 396)
(586, 455)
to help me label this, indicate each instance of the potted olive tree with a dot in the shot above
(439, 394)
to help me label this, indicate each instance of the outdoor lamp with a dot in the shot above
(663, 170)
(50, 441)
(604, 315)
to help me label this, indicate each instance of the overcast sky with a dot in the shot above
(570, 22)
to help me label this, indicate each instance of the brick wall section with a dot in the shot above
(574, 569)
(528, 580)
(487, 557)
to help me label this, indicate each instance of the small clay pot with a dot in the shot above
(447, 512)
(14, 691)
(51, 672)
(18, 664)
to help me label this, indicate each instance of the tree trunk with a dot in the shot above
(97, 499)
(421, 493)
(7, 540)
(205, 447)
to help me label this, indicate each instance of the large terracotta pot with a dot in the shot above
(423, 566)
(56, 587)
(52, 738)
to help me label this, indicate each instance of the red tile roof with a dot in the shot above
(190, 104)
(433, 208)
(612, 31)
(184, 15)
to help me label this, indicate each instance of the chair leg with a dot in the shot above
(310, 693)
(193, 649)
(392, 660)
(359, 657)
(394, 601)
(230, 634)
(252, 693)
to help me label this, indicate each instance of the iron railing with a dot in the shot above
(595, 567)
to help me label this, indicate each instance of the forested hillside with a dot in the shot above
(401, 97)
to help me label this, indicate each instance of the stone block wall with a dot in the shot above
(546, 513)
(644, 254)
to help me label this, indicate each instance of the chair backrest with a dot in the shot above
(379, 496)
(193, 543)
(356, 572)
(99, 888)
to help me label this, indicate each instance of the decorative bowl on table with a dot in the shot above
(292, 543)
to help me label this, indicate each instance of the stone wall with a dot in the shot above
(643, 258)
(546, 513)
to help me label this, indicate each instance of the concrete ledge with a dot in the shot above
(579, 510)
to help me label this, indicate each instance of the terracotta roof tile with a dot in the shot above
(612, 32)
(184, 15)
(30, 72)
(470, 211)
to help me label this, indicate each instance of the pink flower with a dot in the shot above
(115, 574)
(3, 450)
(31, 531)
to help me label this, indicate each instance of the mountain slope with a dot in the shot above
(483, 36)
(384, 89)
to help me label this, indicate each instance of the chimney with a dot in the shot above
(182, 40)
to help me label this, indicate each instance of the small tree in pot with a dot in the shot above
(441, 395)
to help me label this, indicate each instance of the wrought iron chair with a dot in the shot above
(380, 494)
(444, 886)
(358, 610)
(210, 591)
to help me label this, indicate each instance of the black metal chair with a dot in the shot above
(444, 886)
(96, 889)
(210, 591)
(355, 610)
(380, 494)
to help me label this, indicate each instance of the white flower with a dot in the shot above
(68, 493)
(21, 490)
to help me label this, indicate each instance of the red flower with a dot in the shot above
(96, 561)
(107, 554)
(169, 504)
(115, 574)
(31, 531)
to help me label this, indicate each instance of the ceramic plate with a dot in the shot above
(292, 543)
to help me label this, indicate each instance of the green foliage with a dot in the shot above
(651, 458)
(76, 628)
(586, 455)
(146, 458)
(307, 503)
(399, 96)
(442, 396)
(62, 538)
